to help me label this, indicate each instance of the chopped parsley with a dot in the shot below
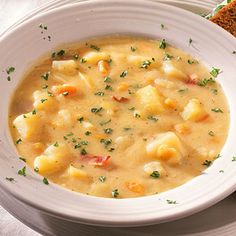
(153, 118)
(99, 94)
(115, 193)
(183, 90)
(123, 74)
(108, 87)
(162, 26)
(214, 91)
(22, 171)
(22, 159)
(171, 201)
(10, 70)
(214, 72)
(162, 44)
(167, 57)
(81, 119)
(190, 41)
(18, 141)
(145, 64)
(60, 53)
(94, 47)
(107, 79)
(106, 142)
(45, 76)
(190, 62)
(108, 131)
(205, 82)
(44, 27)
(234, 158)
(83, 60)
(207, 163)
(96, 110)
(10, 179)
(126, 128)
(45, 181)
(102, 178)
(131, 109)
(211, 133)
(56, 144)
(218, 110)
(45, 86)
(87, 133)
(155, 174)
(83, 152)
(36, 169)
(136, 115)
(34, 112)
(43, 100)
(102, 123)
(133, 49)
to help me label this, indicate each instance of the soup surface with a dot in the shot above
(119, 117)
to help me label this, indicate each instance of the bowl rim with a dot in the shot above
(144, 221)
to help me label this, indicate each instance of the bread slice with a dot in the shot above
(226, 17)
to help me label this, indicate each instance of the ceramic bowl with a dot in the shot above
(24, 44)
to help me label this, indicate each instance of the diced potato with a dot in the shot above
(103, 67)
(150, 167)
(68, 67)
(29, 126)
(136, 60)
(87, 80)
(150, 100)
(88, 126)
(166, 146)
(100, 190)
(110, 107)
(95, 57)
(55, 158)
(43, 102)
(123, 142)
(64, 118)
(135, 187)
(164, 83)
(172, 72)
(194, 111)
(182, 128)
(123, 86)
(206, 154)
(77, 173)
(170, 103)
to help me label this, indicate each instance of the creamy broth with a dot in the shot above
(119, 117)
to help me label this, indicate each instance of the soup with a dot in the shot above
(119, 117)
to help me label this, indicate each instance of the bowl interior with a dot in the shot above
(74, 22)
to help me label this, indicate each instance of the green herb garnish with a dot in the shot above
(155, 174)
(123, 74)
(45, 181)
(96, 110)
(218, 110)
(108, 131)
(145, 64)
(115, 193)
(207, 163)
(102, 178)
(162, 44)
(22, 171)
(214, 72)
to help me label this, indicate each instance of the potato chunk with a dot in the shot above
(95, 57)
(150, 167)
(54, 158)
(150, 100)
(167, 147)
(172, 72)
(77, 173)
(43, 102)
(29, 126)
(68, 67)
(194, 111)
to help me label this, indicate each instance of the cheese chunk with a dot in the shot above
(54, 158)
(167, 147)
(68, 67)
(172, 72)
(194, 111)
(29, 126)
(150, 100)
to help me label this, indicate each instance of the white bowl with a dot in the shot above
(21, 46)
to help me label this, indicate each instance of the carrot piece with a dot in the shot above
(66, 90)
(103, 67)
(120, 99)
(135, 187)
(96, 160)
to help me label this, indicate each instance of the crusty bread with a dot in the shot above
(226, 17)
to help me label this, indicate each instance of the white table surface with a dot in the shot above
(217, 220)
